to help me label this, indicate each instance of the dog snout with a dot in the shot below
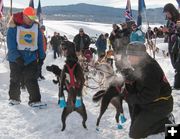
(48, 68)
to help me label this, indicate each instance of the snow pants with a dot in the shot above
(150, 120)
(175, 61)
(29, 74)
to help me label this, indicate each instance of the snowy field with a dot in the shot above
(24, 122)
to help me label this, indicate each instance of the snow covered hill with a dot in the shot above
(24, 122)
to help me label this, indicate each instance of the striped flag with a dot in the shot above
(1, 8)
(31, 3)
(141, 9)
(39, 13)
(128, 11)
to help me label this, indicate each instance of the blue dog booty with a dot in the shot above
(122, 118)
(62, 103)
(78, 102)
(119, 126)
(97, 129)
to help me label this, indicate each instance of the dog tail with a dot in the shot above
(98, 95)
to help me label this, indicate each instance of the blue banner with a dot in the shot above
(141, 9)
(39, 13)
(31, 3)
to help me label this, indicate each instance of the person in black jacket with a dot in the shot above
(172, 16)
(114, 34)
(149, 93)
(119, 38)
(82, 42)
(55, 42)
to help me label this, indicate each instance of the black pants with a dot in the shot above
(40, 64)
(29, 74)
(176, 65)
(145, 122)
(177, 76)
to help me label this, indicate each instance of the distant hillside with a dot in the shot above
(94, 13)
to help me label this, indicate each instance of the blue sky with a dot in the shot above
(111, 3)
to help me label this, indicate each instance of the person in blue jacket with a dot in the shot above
(25, 50)
(101, 45)
(137, 34)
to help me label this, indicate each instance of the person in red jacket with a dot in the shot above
(43, 28)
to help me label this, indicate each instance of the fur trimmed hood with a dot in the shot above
(17, 20)
(11, 23)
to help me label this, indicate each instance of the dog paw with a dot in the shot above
(78, 102)
(62, 103)
(122, 118)
(97, 129)
(119, 126)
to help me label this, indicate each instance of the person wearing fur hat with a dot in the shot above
(172, 16)
(148, 93)
(25, 48)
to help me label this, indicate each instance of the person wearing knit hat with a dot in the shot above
(136, 48)
(136, 51)
(149, 93)
(25, 50)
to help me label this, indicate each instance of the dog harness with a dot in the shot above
(72, 78)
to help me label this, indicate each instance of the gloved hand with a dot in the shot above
(62, 103)
(20, 61)
(128, 74)
(78, 102)
(41, 61)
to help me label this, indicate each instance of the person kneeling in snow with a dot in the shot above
(25, 46)
(149, 93)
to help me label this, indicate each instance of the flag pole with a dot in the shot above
(148, 38)
(11, 7)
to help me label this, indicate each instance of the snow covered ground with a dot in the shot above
(24, 122)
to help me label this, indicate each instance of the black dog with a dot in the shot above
(115, 96)
(57, 72)
(74, 86)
